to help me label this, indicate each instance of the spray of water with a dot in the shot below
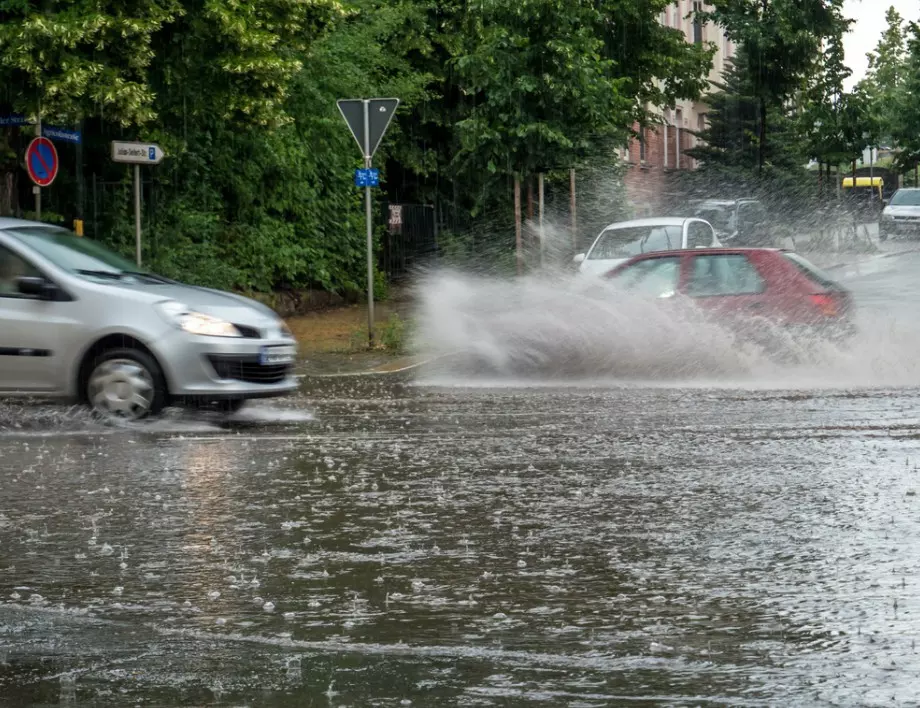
(554, 328)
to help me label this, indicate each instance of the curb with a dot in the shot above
(396, 367)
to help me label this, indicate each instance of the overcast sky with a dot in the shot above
(869, 25)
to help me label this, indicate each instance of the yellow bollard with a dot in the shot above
(78, 226)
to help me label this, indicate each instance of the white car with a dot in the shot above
(622, 240)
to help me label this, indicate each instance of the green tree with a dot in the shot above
(905, 119)
(781, 41)
(885, 79)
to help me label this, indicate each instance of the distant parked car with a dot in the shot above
(737, 284)
(78, 321)
(738, 222)
(901, 216)
(621, 241)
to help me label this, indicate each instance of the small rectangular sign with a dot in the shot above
(64, 135)
(137, 153)
(367, 177)
(14, 119)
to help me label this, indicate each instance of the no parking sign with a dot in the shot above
(42, 161)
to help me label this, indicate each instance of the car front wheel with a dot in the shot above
(125, 384)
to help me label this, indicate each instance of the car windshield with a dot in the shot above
(906, 197)
(625, 242)
(81, 256)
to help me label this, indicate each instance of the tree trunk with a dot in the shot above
(7, 192)
(762, 147)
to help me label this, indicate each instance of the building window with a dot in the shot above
(697, 23)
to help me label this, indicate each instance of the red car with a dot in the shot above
(740, 283)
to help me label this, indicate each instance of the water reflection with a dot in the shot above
(583, 547)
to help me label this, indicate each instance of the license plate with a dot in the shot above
(277, 356)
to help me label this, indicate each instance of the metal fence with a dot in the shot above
(110, 217)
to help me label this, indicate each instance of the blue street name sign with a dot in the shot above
(368, 177)
(14, 119)
(65, 135)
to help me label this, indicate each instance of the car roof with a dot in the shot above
(653, 221)
(708, 250)
(724, 202)
(8, 222)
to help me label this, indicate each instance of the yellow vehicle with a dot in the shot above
(866, 188)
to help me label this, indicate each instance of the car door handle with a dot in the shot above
(755, 306)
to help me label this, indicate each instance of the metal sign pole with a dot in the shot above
(370, 227)
(36, 189)
(137, 211)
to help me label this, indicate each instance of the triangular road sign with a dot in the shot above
(380, 112)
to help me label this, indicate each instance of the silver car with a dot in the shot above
(901, 215)
(78, 321)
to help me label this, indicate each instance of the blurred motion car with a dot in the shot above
(620, 241)
(738, 284)
(78, 321)
(901, 216)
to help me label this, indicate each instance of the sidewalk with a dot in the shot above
(829, 260)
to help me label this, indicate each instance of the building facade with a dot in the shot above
(659, 150)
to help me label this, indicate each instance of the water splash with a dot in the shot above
(554, 328)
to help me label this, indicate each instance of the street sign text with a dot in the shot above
(137, 153)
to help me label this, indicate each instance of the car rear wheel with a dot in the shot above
(125, 384)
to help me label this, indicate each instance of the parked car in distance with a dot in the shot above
(738, 222)
(901, 215)
(78, 321)
(620, 241)
(740, 283)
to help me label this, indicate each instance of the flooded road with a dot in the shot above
(379, 541)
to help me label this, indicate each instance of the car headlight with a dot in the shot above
(887, 217)
(193, 322)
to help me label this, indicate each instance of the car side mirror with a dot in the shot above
(668, 295)
(37, 287)
(579, 258)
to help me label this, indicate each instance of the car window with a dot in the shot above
(724, 275)
(663, 238)
(812, 272)
(13, 267)
(906, 197)
(699, 235)
(635, 240)
(653, 276)
(71, 252)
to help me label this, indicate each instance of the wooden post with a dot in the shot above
(519, 242)
(572, 213)
(540, 214)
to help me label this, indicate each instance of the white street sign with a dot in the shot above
(137, 153)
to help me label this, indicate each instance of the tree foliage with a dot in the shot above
(256, 192)
(781, 42)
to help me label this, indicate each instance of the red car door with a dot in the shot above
(727, 285)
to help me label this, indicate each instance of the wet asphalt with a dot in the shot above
(382, 541)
